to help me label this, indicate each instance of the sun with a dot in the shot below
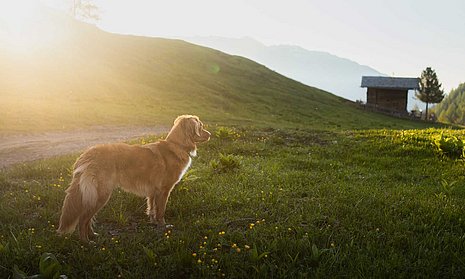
(22, 25)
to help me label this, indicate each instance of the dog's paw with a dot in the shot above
(164, 226)
(93, 235)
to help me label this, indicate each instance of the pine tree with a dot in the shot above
(452, 108)
(430, 91)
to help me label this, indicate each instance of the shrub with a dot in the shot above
(226, 163)
(450, 146)
(226, 133)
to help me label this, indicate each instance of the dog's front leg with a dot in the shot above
(160, 206)
(151, 208)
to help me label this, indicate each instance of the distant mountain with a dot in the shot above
(315, 68)
(452, 108)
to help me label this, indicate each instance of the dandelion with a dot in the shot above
(221, 233)
(238, 250)
(246, 246)
(234, 245)
(251, 225)
(38, 246)
(205, 237)
(103, 249)
(194, 255)
(333, 245)
(199, 261)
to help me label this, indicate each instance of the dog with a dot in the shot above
(149, 171)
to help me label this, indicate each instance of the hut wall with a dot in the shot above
(391, 99)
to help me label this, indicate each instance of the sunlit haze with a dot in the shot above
(398, 38)
(395, 37)
(25, 26)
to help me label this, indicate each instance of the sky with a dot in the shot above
(395, 37)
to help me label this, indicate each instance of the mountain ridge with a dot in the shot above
(320, 69)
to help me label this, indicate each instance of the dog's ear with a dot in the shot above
(197, 127)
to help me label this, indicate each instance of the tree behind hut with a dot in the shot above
(85, 10)
(430, 91)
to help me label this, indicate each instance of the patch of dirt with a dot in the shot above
(21, 148)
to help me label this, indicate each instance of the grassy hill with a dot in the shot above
(83, 76)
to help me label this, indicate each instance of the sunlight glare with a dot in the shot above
(21, 25)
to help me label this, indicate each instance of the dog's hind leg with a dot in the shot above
(87, 218)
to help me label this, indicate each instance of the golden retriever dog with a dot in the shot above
(150, 171)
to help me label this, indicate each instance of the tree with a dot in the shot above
(452, 108)
(85, 10)
(430, 91)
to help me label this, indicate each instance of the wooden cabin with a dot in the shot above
(389, 93)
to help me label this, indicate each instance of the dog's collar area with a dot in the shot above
(193, 153)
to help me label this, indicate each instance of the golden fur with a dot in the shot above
(149, 171)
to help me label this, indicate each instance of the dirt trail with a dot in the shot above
(20, 148)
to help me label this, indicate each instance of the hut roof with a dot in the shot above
(390, 82)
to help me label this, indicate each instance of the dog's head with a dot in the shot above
(193, 128)
(187, 131)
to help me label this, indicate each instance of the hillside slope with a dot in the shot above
(316, 68)
(82, 76)
(452, 108)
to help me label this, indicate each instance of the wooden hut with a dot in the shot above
(389, 93)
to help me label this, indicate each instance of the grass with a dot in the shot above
(299, 182)
(295, 203)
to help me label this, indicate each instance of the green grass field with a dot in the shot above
(261, 203)
(295, 182)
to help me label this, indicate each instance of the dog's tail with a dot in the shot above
(80, 195)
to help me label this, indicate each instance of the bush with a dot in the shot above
(450, 146)
(225, 133)
(226, 163)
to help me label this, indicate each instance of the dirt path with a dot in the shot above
(29, 147)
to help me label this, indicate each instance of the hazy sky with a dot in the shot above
(396, 37)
